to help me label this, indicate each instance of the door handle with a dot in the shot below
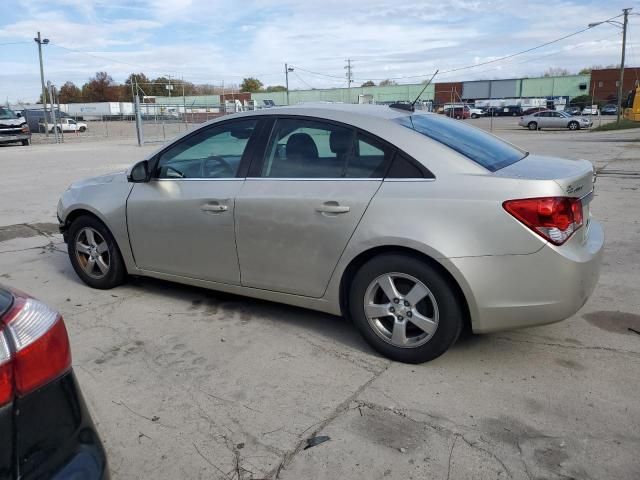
(332, 207)
(214, 208)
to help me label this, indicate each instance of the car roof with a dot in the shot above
(331, 109)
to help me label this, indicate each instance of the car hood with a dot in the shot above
(114, 177)
(12, 122)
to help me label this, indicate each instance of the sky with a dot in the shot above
(222, 41)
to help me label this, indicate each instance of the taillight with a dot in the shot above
(553, 218)
(36, 348)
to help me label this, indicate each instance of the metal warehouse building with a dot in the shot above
(517, 89)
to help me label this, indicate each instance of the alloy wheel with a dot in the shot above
(92, 252)
(401, 310)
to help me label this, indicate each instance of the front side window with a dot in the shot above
(480, 147)
(213, 152)
(301, 148)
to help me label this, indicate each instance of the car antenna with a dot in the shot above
(411, 107)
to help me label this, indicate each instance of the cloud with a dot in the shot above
(216, 41)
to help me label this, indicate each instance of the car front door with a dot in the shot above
(299, 207)
(181, 222)
(544, 120)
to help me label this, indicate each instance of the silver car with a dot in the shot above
(554, 119)
(413, 225)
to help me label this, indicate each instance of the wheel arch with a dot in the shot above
(79, 212)
(363, 257)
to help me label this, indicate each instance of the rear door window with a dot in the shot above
(482, 148)
(305, 149)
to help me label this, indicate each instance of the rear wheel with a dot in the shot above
(405, 309)
(26, 143)
(532, 126)
(94, 253)
(574, 126)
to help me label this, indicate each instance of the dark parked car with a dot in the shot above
(609, 109)
(531, 111)
(45, 428)
(459, 113)
(508, 111)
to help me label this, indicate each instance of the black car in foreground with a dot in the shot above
(45, 429)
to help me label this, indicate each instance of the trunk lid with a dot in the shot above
(575, 177)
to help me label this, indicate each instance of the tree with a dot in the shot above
(581, 101)
(69, 93)
(101, 89)
(250, 84)
(387, 83)
(556, 72)
(276, 88)
(368, 83)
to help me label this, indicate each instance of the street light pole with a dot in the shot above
(40, 41)
(624, 46)
(623, 25)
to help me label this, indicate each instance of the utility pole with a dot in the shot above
(40, 41)
(287, 69)
(624, 46)
(349, 78)
(53, 114)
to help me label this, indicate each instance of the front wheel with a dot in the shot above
(574, 126)
(405, 308)
(83, 129)
(26, 143)
(94, 253)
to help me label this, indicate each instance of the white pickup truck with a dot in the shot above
(69, 125)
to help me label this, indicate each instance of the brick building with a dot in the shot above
(604, 83)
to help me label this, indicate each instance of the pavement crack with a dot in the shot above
(569, 347)
(488, 452)
(342, 408)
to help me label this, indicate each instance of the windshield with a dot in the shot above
(6, 114)
(484, 149)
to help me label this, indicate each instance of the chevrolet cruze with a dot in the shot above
(411, 224)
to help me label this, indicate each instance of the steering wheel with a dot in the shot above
(211, 166)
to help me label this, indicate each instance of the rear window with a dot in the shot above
(484, 149)
(6, 299)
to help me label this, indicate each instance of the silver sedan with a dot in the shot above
(413, 225)
(554, 119)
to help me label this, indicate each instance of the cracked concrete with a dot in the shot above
(188, 383)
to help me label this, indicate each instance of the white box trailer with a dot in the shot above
(97, 110)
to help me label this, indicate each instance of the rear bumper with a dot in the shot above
(514, 291)
(55, 435)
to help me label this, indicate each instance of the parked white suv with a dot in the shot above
(592, 110)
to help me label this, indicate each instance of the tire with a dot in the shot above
(58, 129)
(95, 276)
(440, 306)
(532, 126)
(26, 143)
(574, 126)
(457, 117)
(475, 115)
(83, 129)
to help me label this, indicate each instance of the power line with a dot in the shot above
(475, 65)
(14, 43)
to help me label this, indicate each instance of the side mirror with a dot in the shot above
(139, 172)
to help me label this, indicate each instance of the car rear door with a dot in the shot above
(182, 221)
(299, 207)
